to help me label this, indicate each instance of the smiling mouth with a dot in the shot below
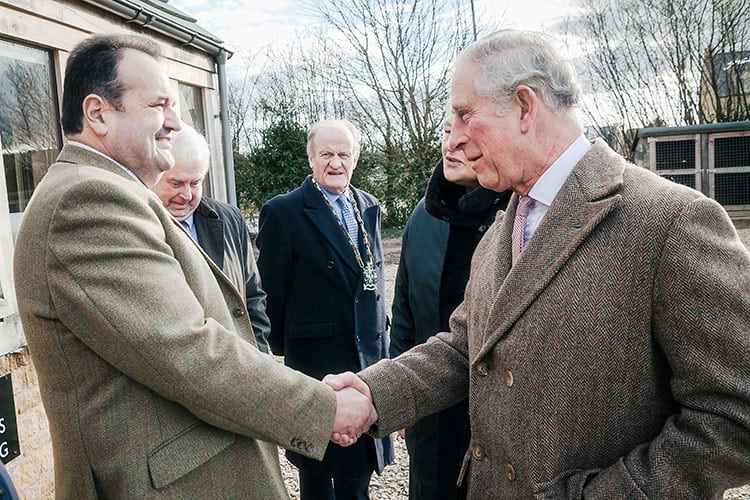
(473, 162)
(163, 139)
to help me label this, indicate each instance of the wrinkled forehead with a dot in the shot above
(186, 172)
(338, 139)
(463, 87)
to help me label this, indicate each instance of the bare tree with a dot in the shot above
(651, 62)
(384, 65)
(296, 85)
(392, 60)
(243, 91)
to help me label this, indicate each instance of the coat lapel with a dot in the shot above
(370, 214)
(325, 221)
(81, 156)
(210, 231)
(586, 198)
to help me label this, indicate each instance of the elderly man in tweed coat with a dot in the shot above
(609, 358)
(148, 368)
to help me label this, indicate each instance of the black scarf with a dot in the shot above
(469, 215)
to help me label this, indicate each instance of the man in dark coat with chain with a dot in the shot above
(321, 264)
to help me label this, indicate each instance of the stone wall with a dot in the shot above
(32, 471)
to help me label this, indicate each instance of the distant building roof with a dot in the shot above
(160, 16)
(703, 128)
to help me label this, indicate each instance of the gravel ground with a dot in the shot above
(394, 483)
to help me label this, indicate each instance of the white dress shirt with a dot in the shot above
(545, 189)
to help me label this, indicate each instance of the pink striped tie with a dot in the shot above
(525, 204)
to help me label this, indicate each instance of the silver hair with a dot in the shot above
(315, 128)
(190, 145)
(509, 58)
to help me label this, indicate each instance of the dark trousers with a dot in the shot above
(312, 487)
(437, 445)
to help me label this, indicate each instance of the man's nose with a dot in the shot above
(457, 136)
(171, 120)
(336, 161)
(186, 192)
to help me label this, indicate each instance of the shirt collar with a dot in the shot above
(545, 189)
(93, 150)
(333, 197)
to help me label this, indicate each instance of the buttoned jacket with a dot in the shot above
(611, 361)
(322, 319)
(223, 235)
(148, 369)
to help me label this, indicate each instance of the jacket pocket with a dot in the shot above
(185, 452)
(311, 329)
(568, 484)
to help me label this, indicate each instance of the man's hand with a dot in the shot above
(354, 416)
(344, 384)
(347, 379)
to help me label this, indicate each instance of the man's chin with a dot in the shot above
(164, 160)
(336, 184)
(179, 213)
(491, 182)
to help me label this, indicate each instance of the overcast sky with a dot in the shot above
(249, 25)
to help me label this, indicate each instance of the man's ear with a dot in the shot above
(94, 113)
(528, 103)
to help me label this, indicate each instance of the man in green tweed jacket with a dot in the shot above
(148, 367)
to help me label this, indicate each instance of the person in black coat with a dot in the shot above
(321, 263)
(219, 228)
(437, 245)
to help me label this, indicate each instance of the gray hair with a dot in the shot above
(509, 58)
(189, 145)
(315, 128)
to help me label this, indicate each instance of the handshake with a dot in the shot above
(355, 413)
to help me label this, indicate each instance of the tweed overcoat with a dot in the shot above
(322, 321)
(611, 361)
(223, 235)
(436, 249)
(147, 365)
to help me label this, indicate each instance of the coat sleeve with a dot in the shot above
(412, 386)
(403, 332)
(119, 288)
(274, 265)
(255, 298)
(701, 322)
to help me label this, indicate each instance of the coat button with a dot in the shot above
(510, 472)
(330, 264)
(482, 369)
(509, 378)
(477, 453)
(238, 313)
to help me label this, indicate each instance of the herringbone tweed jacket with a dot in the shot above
(147, 364)
(612, 361)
